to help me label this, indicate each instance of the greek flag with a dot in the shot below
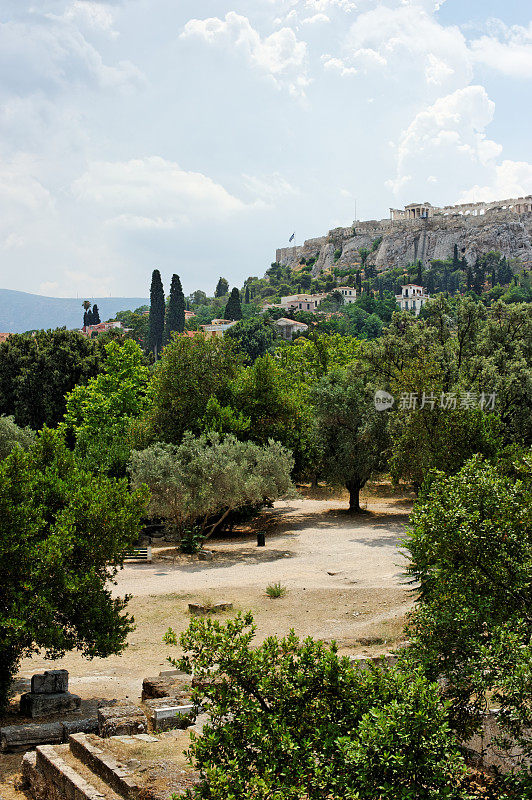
(291, 239)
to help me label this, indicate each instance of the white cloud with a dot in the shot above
(152, 192)
(281, 55)
(449, 132)
(326, 5)
(403, 42)
(507, 49)
(94, 15)
(316, 19)
(337, 65)
(509, 179)
(56, 55)
(268, 189)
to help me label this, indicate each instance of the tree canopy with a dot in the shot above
(157, 313)
(175, 313)
(470, 543)
(37, 371)
(99, 414)
(200, 481)
(63, 533)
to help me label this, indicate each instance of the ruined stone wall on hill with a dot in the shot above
(405, 242)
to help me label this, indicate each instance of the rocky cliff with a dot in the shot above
(405, 242)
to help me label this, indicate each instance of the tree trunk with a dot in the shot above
(354, 488)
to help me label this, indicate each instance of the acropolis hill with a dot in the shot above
(424, 232)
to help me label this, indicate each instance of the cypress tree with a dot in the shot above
(156, 320)
(175, 313)
(85, 319)
(95, 315)
(222, 287)
(90, 320)
(233, 309)
(246, 296)
(456, 260)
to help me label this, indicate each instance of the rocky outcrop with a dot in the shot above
(406, 242)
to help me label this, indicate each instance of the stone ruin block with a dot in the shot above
(169, 712)
(20, 737)
(166, 686)
(121, 720)
(41, 705)
(53, 681)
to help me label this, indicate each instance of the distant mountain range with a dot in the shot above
(20, 311)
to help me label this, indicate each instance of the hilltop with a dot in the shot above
(21, 311)
(428, 235)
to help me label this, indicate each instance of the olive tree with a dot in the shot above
(351, 432)
(12, 435)
(202, 480)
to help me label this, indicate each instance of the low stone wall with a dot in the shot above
(21, 737)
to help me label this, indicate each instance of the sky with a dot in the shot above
(196, 137)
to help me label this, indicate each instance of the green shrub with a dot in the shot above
(276, 590)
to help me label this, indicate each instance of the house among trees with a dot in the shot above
(94, 330)
(288, 328)
(348, 293)
(217, 327)
(412, 298)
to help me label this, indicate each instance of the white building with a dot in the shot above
(301, 302)
(217, 327)
(348, 293)
(288, 328)
(412, 298)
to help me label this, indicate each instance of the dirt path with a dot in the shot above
(344, 578)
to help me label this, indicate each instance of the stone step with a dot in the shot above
(103, 765)
(53, 773)
(79, 770)
(91, 776)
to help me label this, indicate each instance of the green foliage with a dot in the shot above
(63, 533)
(253, 336)
(266, 395)
(11, 436)
(337, 254)
(308, 359)
(157, 312)
(456, 349)
(274, 590)
(376, 243)
(363, 252)
(233, 309)
(222, 287)
(351, 433)
(202, 480)
(471, 552)
(191, 371)
(99, 414)
(138, 323)
(175, 313)
(36, 372)
(290, 720)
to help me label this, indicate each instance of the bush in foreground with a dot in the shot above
(291, 719)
